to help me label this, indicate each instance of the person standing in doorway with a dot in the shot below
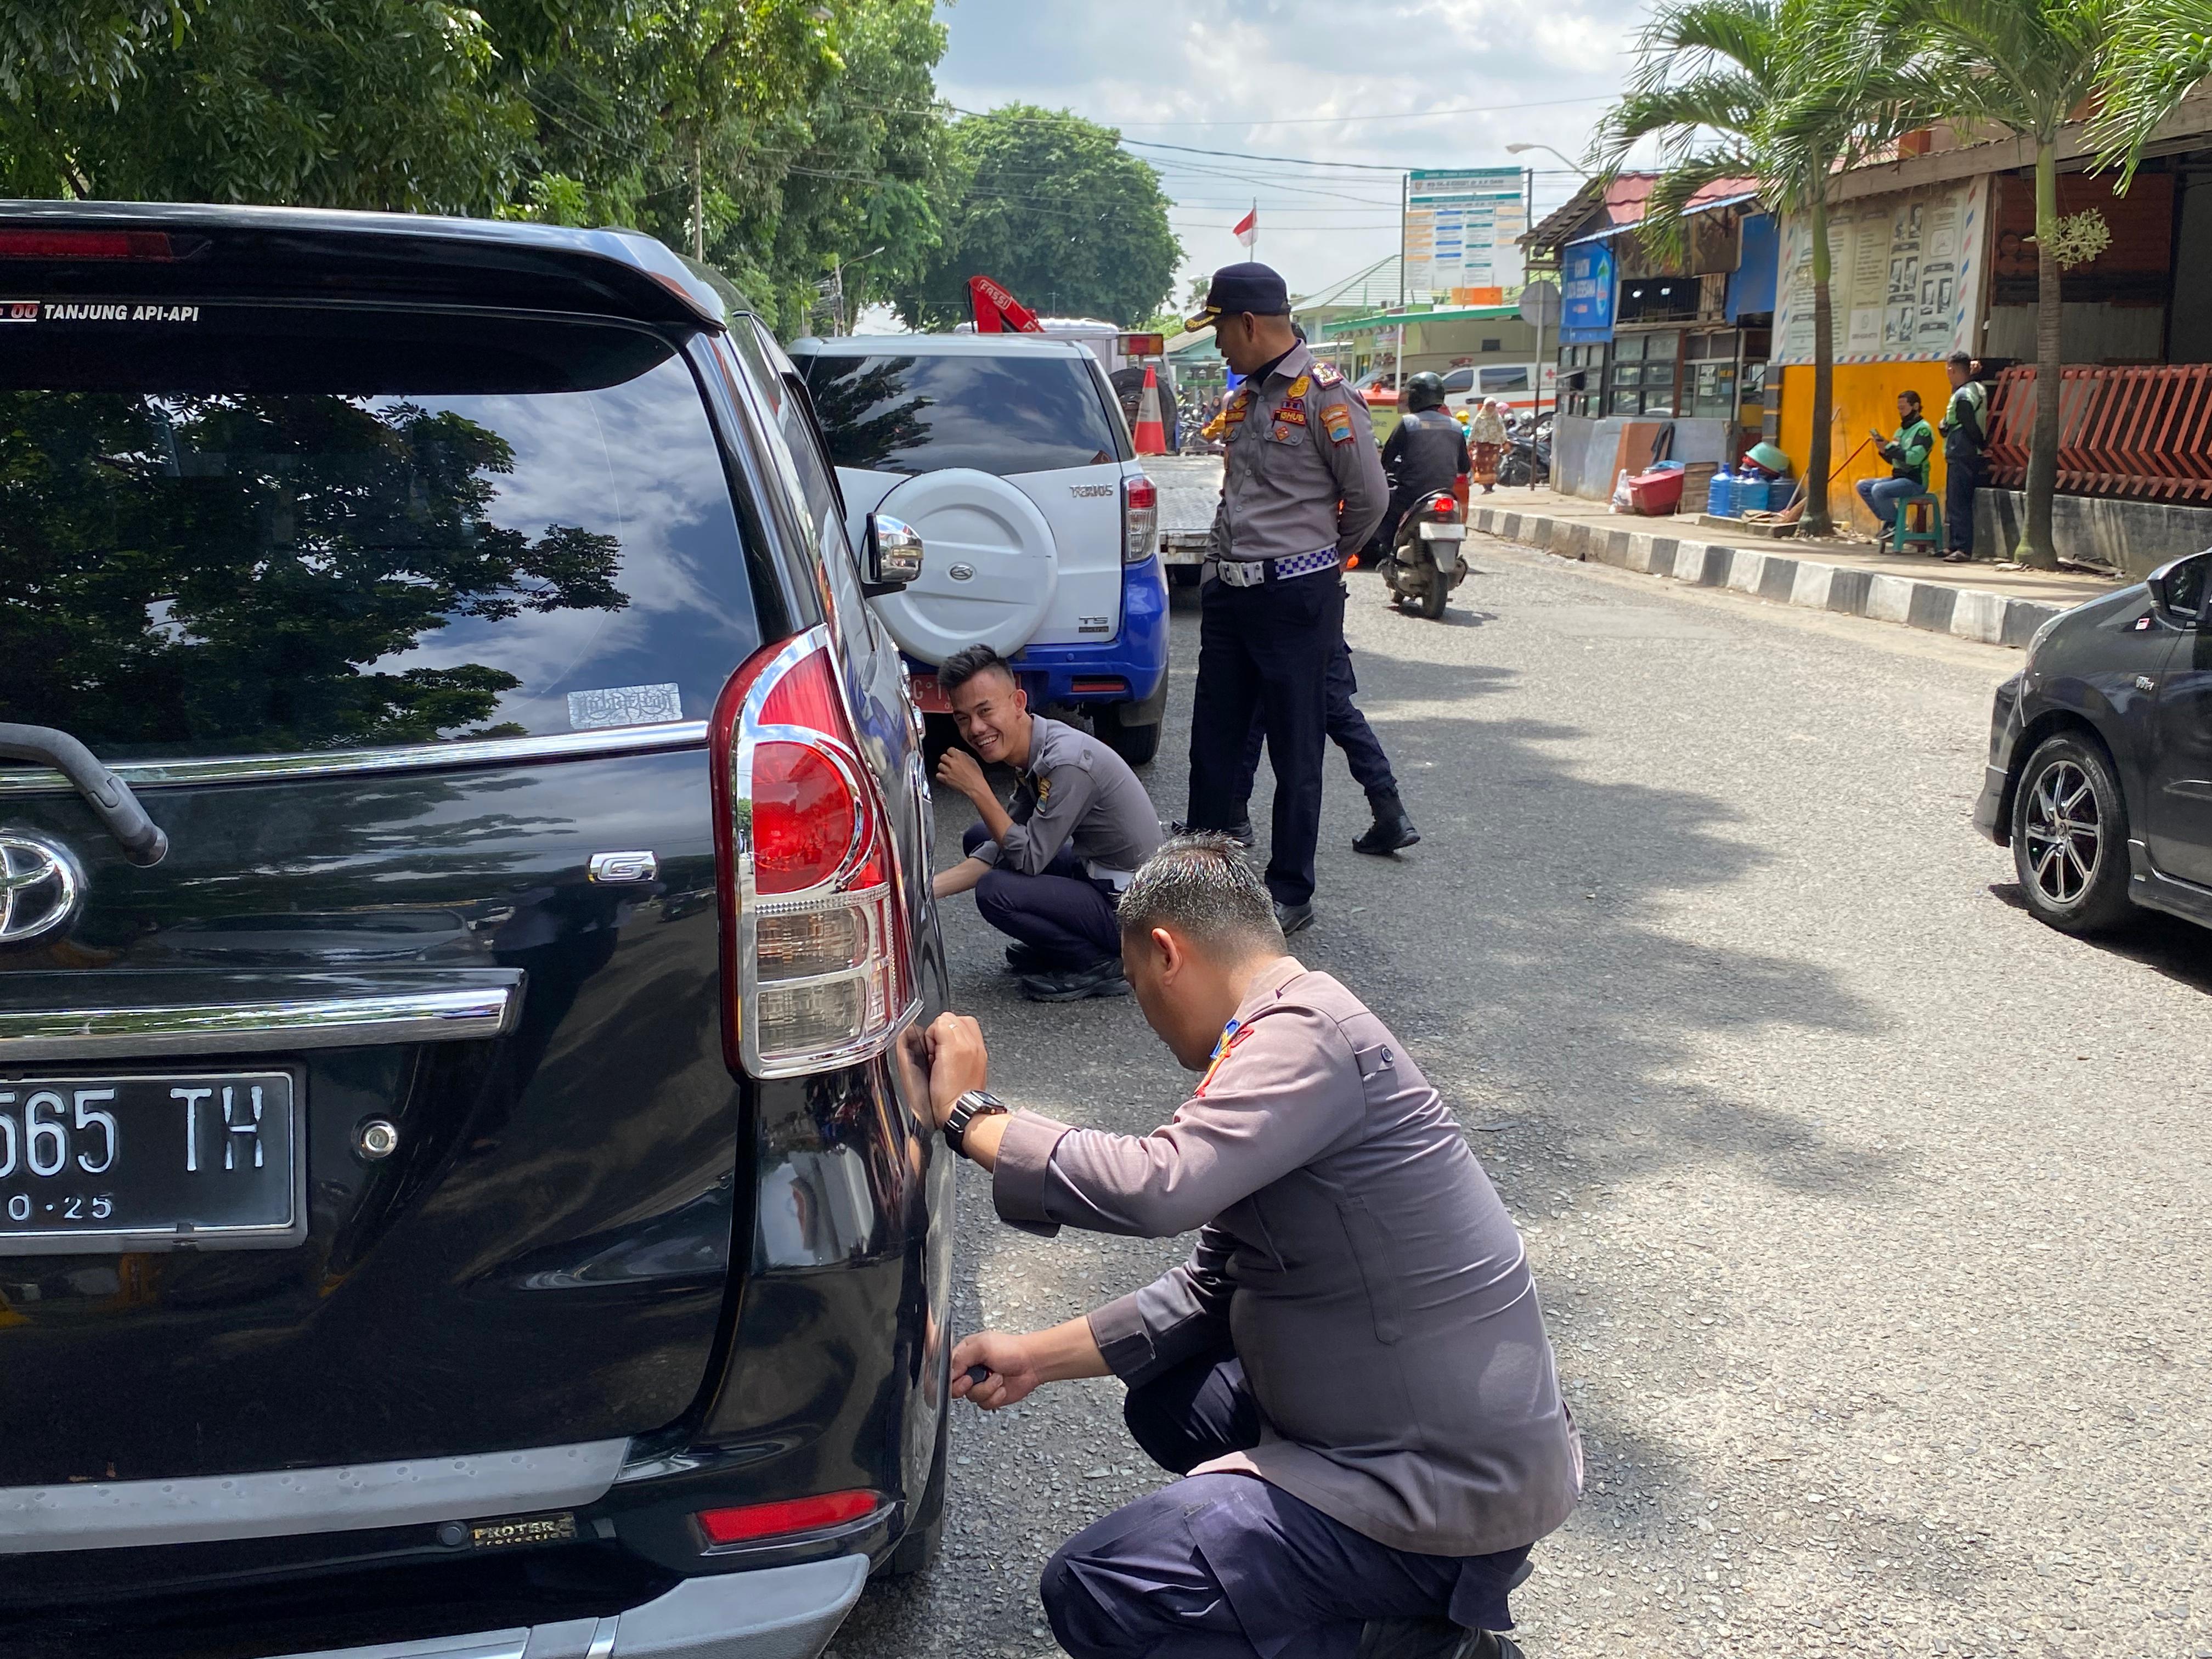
(1301, 488)
(1965, 442)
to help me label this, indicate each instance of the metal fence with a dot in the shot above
(2140, 432)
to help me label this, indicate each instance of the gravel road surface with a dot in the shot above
(1870, 1215)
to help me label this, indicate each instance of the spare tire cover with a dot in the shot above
(988, 565)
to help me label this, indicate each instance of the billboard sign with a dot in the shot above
(1463, 229)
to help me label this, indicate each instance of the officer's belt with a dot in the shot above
(1252, 573)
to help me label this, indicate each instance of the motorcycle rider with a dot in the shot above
(1424, 456)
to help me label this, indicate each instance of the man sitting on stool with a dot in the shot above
(1046, 868)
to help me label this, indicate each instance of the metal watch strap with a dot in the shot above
(976, 1102)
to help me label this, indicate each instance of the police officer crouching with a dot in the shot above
(1047, 867)
(1302, 488)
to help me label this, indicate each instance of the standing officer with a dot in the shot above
(1350, 1372)
(1349, 731)
(1302, 488)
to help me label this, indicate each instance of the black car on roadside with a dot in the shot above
(2100, 774)
(465, 918)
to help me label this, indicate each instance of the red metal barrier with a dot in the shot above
(2140, 432)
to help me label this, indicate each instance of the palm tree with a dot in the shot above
(2161, 52)
(1757, 89)
(2026, 65)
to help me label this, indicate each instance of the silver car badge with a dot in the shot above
(40, 888)
(961, 572)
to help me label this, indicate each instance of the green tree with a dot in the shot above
(1054, 209)
(2027, 66)
(1756, 89)
(366, 104)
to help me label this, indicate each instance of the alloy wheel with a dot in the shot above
(2065, 834)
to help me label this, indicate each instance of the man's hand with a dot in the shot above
(958, 1062)
(957, 770)
(1017, 1364)
(1014, 1374)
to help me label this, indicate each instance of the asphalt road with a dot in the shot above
(1870, 1215)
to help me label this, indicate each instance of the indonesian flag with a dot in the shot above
(1247, 229)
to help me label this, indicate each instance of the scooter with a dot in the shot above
(1528, 458)
(1425, 565)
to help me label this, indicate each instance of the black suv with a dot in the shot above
(2100, 774)
(464, 924)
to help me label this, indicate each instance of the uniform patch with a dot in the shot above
(1326, 376)
(1237, 407)
(1338, 419)
(1291, 415)
(1300, 386)
(1281, 434)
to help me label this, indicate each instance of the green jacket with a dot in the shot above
(1907, 452)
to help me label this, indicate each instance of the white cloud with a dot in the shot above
(1266, 70)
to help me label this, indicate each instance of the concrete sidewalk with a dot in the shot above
(1972, 601)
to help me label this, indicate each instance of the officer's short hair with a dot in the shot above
(962, 665)
(1962, 360)
(1200, 886)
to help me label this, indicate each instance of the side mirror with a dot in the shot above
(893, 556)
(2177, 589)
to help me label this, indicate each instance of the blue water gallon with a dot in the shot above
(1749, 494)
(1720, 494)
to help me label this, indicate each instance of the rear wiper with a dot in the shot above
(107, 794)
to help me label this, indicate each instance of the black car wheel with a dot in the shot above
(1136, 745)
(2070, 837)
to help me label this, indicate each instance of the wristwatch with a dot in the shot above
(976, 1102)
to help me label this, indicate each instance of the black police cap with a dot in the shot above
(1250, 287)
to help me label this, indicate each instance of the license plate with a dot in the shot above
(1443, 532)
(926, 695)
(208, 1160)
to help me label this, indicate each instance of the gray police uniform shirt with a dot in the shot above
(1077, 793)
(1355, 1255)
(1299, 444)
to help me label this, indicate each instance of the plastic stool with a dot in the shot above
(1930, 512)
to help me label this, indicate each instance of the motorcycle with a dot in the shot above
(1426, 563)
(1528, 458)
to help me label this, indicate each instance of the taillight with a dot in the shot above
(1140, 520)
(813, 922)
(1442, 504)
(754, 1523)
(85, 244)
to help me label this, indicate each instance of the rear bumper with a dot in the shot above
(773, 1613)
(1127, 668)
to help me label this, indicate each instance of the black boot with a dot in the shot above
(1430, 1639)
(1391, 829)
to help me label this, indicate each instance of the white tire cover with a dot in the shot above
(988, 565)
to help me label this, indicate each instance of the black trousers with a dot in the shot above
(1961, 478)
(1265, 650)
(1060, 911)
(1348, 729)
(1225, 1567)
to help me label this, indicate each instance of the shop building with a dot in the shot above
(1657, 348)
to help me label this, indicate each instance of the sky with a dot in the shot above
(1327, 83)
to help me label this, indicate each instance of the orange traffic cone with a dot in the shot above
(1151, 437)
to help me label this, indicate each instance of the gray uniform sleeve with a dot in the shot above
(1179, 1315)
(1031, 845)
(1289, 1092)
(1358, 469)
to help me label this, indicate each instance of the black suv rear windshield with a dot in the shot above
(257, 529)
(923, 413)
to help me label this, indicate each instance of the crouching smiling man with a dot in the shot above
(1350, 1372)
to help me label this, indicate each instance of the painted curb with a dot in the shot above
(1998, 619)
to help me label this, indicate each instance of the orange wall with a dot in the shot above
(1865, 395)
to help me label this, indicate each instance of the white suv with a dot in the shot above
(1008, 454)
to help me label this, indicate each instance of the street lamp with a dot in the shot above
(1520, 149)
